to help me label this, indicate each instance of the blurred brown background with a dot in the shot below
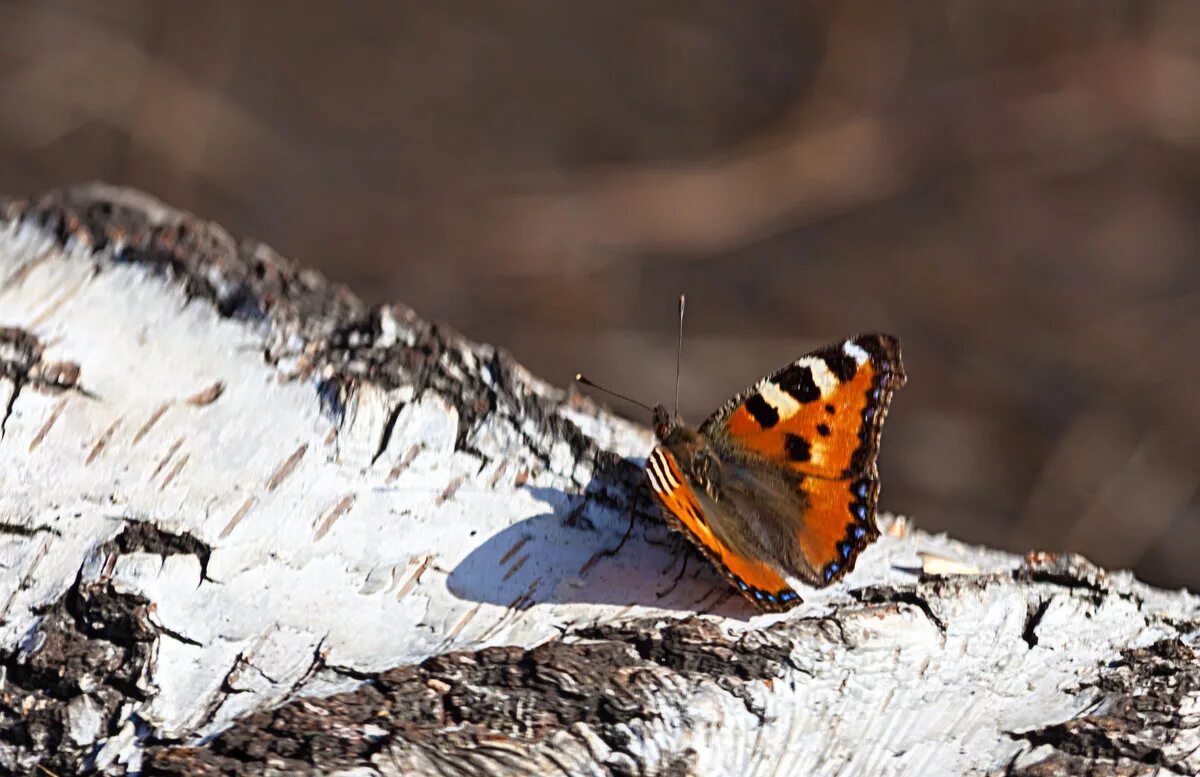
(1012, 188)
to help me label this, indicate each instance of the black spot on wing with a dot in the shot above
(797, 448)
(761, 410)
(823, 430)
(839, 363)
(797, 380)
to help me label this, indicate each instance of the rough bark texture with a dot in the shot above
(248, 526)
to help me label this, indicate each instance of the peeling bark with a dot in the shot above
(249, 525)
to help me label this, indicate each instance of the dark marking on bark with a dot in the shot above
(174, 473)
(18, 276)
(389, 426)
(8, 408)
(20, 352)
(41, 433)
(20, 530)
(1136, 727)
(154, 418)
(409, 457)
(58, 376)
(146, 537)
(449, 491)
(237, 518)
(337, 511)
(1067, 570)
(93, 644)
(101, 442)
(910, 596)
(516, 567)
(207, 396)
(516, 547)
(1032, 620)
(285, 469)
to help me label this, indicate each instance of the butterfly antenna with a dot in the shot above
(679, 350)
(581, 379)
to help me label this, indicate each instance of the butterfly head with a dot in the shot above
(665, 423)
(692, 453)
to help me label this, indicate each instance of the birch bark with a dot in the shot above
(249, 525)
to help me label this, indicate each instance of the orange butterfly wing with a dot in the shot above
(821, 418)
(820, 415)
(757, 581)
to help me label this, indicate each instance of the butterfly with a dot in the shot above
(781, 481)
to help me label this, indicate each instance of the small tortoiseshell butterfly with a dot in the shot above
(781, 481)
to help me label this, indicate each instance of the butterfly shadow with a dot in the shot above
(595, 549)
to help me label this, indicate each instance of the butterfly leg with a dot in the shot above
(678, 577)
(610, 552)
(628, 531)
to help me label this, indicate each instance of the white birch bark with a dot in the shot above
(248, 525)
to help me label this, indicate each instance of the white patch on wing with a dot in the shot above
(826, 381)
(660, 468)
(784, 403)
(855, 352)
(655, 478)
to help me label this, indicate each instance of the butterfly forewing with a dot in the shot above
(820, 415)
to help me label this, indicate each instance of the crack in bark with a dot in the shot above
(389, 426)
(1068, 570)
(21, 530)
(144, 536)
(20, 352)
(8, 406)
(1032, 620)
(897, 595)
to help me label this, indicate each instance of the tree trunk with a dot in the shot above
(249, 525)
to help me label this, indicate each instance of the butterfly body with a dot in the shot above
(780, 483)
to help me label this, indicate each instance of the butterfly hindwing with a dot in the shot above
(757, 580)
(838, 523)
(820, 415)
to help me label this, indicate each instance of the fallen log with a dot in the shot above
(250, 525)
